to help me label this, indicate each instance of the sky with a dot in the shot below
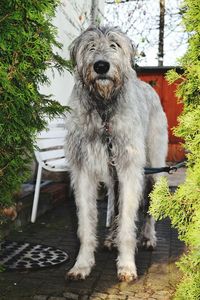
(139, 19)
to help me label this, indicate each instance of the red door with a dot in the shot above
(172, 108)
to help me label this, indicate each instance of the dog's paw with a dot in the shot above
(148, 243)
(127, 274)
(78, 273)
(109, 244)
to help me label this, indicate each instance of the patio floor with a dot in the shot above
(157, 272)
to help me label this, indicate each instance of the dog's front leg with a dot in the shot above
(85, 196)
(129, 198)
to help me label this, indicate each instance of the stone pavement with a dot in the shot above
(157, 272)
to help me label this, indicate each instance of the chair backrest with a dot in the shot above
(50, 146)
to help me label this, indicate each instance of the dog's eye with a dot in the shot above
(114, 46)
(92, 47)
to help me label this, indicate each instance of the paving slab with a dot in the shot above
(156, 269)
(158, 274)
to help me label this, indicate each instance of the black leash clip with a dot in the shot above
(172, 170)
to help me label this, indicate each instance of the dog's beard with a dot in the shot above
(104, 88)
(104, 95)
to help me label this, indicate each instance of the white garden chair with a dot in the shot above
(49, 155)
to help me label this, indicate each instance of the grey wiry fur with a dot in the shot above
(138, 128)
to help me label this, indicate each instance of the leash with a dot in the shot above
(169, 170)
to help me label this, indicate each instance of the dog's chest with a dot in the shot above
(93, 143)
(107, 141)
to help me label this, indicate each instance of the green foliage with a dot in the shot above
(183, 207)
(26, 51)
(189, 287)
(2, 268)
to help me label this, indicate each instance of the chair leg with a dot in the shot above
(109, 212)
(36, 194)
(110, 206)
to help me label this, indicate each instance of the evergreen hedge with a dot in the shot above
(27, 38)
(183, 207)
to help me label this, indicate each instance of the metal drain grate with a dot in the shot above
(19, 256)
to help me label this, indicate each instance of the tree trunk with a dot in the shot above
(161, 33)
(94, 12)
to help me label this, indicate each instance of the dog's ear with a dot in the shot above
(73, 50)
(74, 46)
(133, 53)
(131, 49)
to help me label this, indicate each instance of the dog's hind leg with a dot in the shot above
(110, 241)
(85, 197)
(148, 234)
(157, 152)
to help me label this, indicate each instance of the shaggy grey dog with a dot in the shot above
(116, 127)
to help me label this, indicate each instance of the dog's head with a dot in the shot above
(102, 59)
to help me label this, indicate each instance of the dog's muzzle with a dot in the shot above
(101, 67)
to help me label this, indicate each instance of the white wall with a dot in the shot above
(71, 18)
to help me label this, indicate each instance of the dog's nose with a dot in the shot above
(101, 67)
